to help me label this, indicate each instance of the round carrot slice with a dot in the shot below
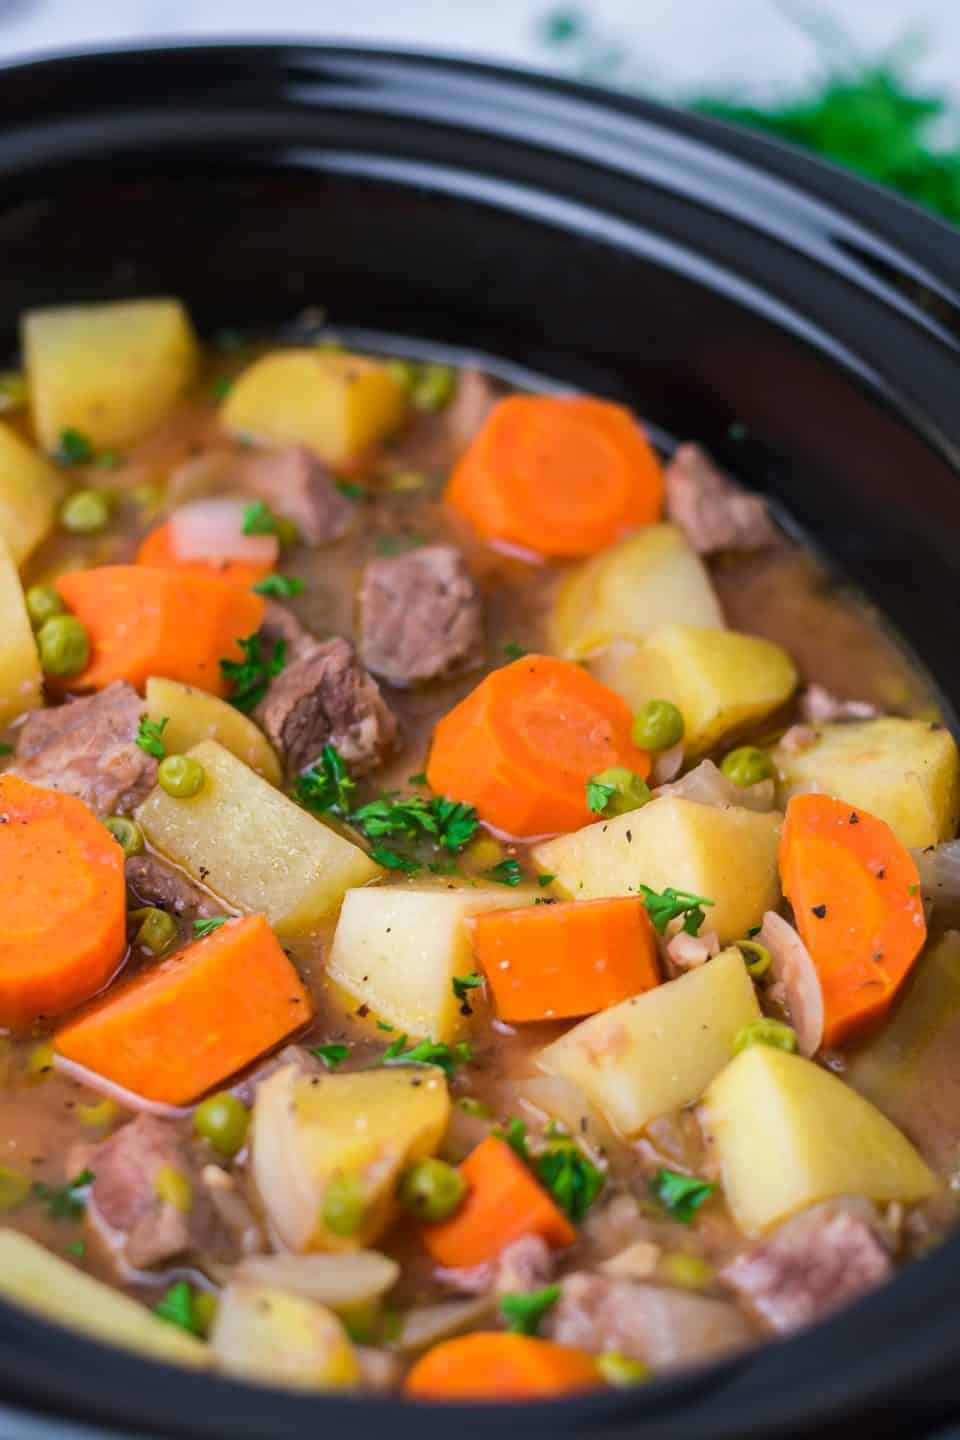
(522, 745)
(62, 903)
(563, 476)
(491, 1365)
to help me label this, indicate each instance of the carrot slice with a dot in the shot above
(145, 621)
(503, 1203)
(563, 476)
(558, 961)
(158, 551)
(493, 1365)
(522, 745)
(62, 903)
(855, 893)
(177, 1029)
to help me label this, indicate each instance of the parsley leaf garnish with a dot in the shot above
(65, 1202)
(5, 748)
(449, 822)
(280, 586)
(77, 1248)
(572, 1179)
(681, 1195)
(221, 387)
(419, 779)
(392, 860)
(202, 928)
(428, 1052)
(666, 907)
(327, 786)
(149, 735)
(351, 490)
(176, 1308)
(544, 880)
(513, 651)
(331, 1055)
(462, 984)
(599, 796)
(515, 1136)
(73, 448)
(249, 678)
(505, 872)
(524, 1312)
(259, 519)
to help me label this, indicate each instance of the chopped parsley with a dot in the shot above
(429, 1052)
(505, 872)
(513, 651)
(259, 519)
(523, 1312)
(544, 880)
(73, 448)
(279, 586)
(202, 928)
(599, 796)
(351, 490)
(221, 388)
(76, 1248)
(515, 1135)
(65, 1202)
(393, 860)
(331, 1055)
(149, 736)
(680, 1195)
(419, 779)
(177, 1308)
(463, 984)
(672, 903)
(5, 748)
(327, 786)
(250, 677)
(572, 1179)
(448, 822)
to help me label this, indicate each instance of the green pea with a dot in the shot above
(15, 1187)
(630, 790)
(432, 1190)
(181, 776)
(156, 930)
(757, 958)
(620, 1370)
(404, 372)
(657, 725)
(85, 512)
(766, 1032)
(747, 765)
(223, 1120)
(434, 387)
(344, 1203)
(43, 603)
(127, 834)
(64, 645)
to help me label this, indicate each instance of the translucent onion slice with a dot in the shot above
(340, 1281)
(939, 869)
(427, 1324)
(213, 530)
(793, 968)
(705, 785)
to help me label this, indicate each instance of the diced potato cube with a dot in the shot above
(728, 856)
(398, 951)
(20, 676)
(336, 404)
(252, 846)
(788, 1134)
(264, 1333)
(904, 771)
(111, 371)
(720, 680)
(194, 715)
(658, 1051)
(631, 589)
(310, 1131)
(33, 1276)
(30, 491)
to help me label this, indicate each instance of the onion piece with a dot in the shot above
(126, 1099)
(939, 870)
(666, 764)
(353, 1277)
(792, 967)
(687, 951)
(212, 530)
(705, 785)
(427, 1324)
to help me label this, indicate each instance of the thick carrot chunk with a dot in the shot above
(158, 550)
(491, 1365)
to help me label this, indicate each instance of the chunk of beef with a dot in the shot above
(819, 707)
(294, 483)
(87, 748)
(153, 881)
(659, 1326)
(421, 615)
(713, 512)
(325, 697)
(525, 1264)
(142, 1229)
(809, 1266)
(280, 623)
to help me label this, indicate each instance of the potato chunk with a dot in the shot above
(311, 1131)
(264, 1333)
(20, 676)
(398, 951)
(728, 856)
(631, 589)
(30, 491)
(904, 771)
(252, 846)
(657, 1052)
(33, 1276)
(194, 715)
(336, 404)
(788, 1134)
(720, 680)
(111, 371)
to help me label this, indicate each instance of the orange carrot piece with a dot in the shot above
(144, 621)
(180, 1027)
(522, 745)
(157, 551)
(555, 962)
(503, 1203)
(562, 476)
(62, 903)
(855, 893)
(494, 1365)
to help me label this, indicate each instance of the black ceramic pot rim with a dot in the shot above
(899, 268)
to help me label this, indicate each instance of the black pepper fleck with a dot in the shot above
(820, 911)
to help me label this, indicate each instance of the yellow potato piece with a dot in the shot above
(651, 579)
(193, 715)
(264, 1333)
(338, 405)
(398, 951)
(788, 1134)
(30, 492)
(310, 1130)
(33, 1276)
(252, 846)
(111, 371)
(904, 771)
(20, 675)
(728, 855)
(719, 680)
(658, 1051)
